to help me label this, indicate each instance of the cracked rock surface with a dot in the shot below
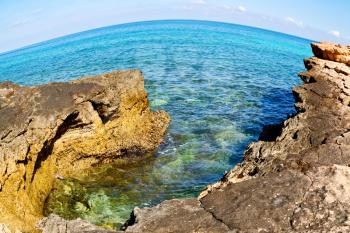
(175, 216)
(296, 178)
(52, 130)
(56, 224)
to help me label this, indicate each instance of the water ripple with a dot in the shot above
(220, 83)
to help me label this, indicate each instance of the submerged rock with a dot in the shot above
(61, 128)
(296, 178)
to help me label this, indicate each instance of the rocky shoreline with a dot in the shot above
(296, 178)
(50, 131)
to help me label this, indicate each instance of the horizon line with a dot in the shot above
(147, 21)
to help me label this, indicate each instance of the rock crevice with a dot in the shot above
(297, 177)
(60, 128)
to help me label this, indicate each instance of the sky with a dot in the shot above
(26, 22)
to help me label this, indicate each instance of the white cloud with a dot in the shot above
(20, 22)
(241, 9)
(294, 21)
(37, 11)
(199, 2)
(187, 7)
(226, 7)
(335, 33)
(25, 20)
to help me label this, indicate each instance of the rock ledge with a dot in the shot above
(53, 130)
(297, 182)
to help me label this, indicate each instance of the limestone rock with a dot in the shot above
(297, 177)
(332, 52)
(4, 229)
(55, 129)
(56, 224)
(175, 216)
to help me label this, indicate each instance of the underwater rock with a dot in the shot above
(297, 177)
(61, 128)
(73, 198)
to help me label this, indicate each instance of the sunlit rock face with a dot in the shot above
(52, 131)
(296, 178)
(332, 52)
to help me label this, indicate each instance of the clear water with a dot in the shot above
(220, 83)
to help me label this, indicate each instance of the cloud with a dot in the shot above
(241, 9)
(199, 2)
(25, 20)
(335, 33)
(294, 21)
(20, 22)
(37, 11)
(187, 7)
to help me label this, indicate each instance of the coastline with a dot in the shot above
(296, 181)
(51, 131)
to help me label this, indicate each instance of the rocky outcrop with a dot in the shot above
(331, 52)
(295, 179)
(56, 224)
(175, 216)
(51, 131)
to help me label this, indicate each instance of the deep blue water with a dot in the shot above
(220, 83)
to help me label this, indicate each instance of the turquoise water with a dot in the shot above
(220, 83)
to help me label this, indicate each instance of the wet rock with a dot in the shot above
(296, 179)
(61, 128)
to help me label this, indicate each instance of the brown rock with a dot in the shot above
(53, 130)
(332, 52)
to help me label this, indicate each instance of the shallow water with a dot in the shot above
(220, 83)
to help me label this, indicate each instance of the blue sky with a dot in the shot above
(24, 22)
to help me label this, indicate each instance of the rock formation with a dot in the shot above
(56, 224)
(53, 130)
(332, 52)
(296, 181)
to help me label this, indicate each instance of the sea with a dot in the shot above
(220, 83)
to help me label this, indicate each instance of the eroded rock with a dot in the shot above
(332, 52)
(51, 131)
(175, 216)
(297, 177)
(56, 224)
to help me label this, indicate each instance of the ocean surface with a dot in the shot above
(221, 83)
